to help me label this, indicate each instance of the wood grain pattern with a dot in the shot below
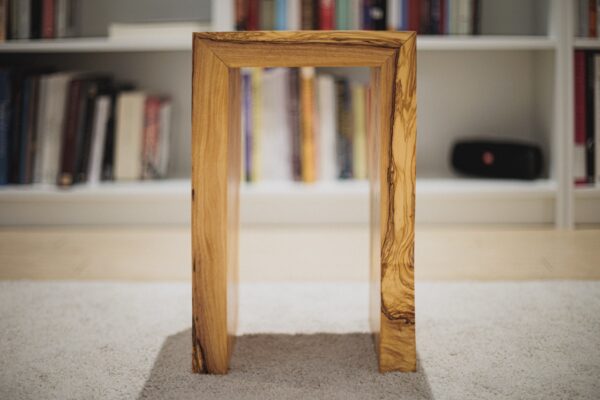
(216, 175)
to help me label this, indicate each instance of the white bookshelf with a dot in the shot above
(512, 81)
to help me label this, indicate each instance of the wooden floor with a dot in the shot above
(321, 253)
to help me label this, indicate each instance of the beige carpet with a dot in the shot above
(503, 340)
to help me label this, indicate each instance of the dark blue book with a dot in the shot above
(5, 100)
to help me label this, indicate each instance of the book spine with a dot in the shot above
(359, 148)
(404, 15)
(281, 15)
(150, 138)
(41, 128)
(36, 19)
(294, 122)
(326, 14)
(5, 96)
(130, 126)
(392, 14)
(378, 14)
(164, 137)
(425, 16)
(590, 117)
(257, 110)
(344, 129)
(69, 142)
(14, 140)
(23, 19)
(464, 17)
(435, 13)
(48, 19)
(247, 127)
(327, 128)
(594, 152)
(267, 15)
(253, 15)
(307, 123)
(476, 23)
(342, 17)
(241, 15)
(583, 9)
(366, 15)
(308, 18)
(293, 14)
(414, 15)
(580, 110)
(3, 20)
(592, 22)
(101, 111)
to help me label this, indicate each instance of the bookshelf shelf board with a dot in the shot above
(586, 43)
(431, 43)
(96, 45)
(591, 191)
(424, 43)
(439, 200)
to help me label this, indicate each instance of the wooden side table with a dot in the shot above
(218, 58)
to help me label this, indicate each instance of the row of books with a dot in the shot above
(587, 117)
(587, 21)
(38, 19)
(460, 17)
(299, 125)
(73, 127)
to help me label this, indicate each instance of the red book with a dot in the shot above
(253, 13)
(326, 14)
(47, 19)
(442, 28)
(414, 15)
(580, 111)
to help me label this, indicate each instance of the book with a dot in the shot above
(276, 135)
(35, 25)
(355, 14)
(281, 15)
(47, 17)
(28, 137)
(593, 148)
(435, 17)
(267, 15)
(308, 15)
(464, 23)
(359, 138)
(253, 15)
(5, 105)
(172, 30)
(583, 10)
(3, 20)
(294, 111)
(293, 15)
(100, 122)
(342, 15)
(66, 18)
(307, 124)
(344, 132)
(20, 19)
(414, 15)
(150, 138)
(50, 125)
(247, 124)
(326, 14)
(580, 117)
(128, 135)
(164, 137)
(14, 140)
(590, 72)
(241, 15)
(327, 127)
(257, 127)
(592, 21)
(108, 158)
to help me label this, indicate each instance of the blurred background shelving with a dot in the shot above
(512, 81)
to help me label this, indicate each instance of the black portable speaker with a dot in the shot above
(497, 159)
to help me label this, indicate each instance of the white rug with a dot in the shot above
(514, 340)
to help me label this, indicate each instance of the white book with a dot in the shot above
(276, 136)
(171, 30)
(583, 18)
(579, 170)
(128, 135)
(393, 7)
(453, 12)
(464, 17)
(50, 125)
(327, 128)
(164, 138)
(293, 11)
(101, 113)
(355, 14)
